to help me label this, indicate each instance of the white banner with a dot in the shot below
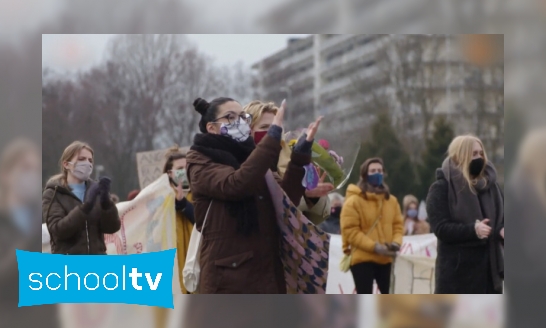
(413, 271)
(147, 225)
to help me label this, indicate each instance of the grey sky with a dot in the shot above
(71, 52)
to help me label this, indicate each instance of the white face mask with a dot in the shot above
(180, 177)
(28, 186)
(82, 170)
(238, 131)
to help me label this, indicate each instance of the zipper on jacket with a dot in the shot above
(87, 235)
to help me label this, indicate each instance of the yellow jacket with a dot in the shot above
(358, 216)
(183, 233)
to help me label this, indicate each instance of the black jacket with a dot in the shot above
(462, 263)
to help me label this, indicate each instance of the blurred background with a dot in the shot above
(23, 83)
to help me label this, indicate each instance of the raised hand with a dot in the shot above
(322, 189)
(104, 187)
(279, 117)
(313, 128)
(179, 192)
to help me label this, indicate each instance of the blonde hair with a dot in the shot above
(460, 152)
(408, 200)
(532, 159)
(11, 156)
(257, 108)
(69, 152)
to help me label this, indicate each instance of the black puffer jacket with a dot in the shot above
(72, 230)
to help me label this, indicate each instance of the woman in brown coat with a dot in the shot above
(241, 240)
(77, 210)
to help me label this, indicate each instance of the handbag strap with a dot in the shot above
(376, 221)
(206, 215)
(378, 218)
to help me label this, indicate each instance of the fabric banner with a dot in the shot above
(147, 225)
(413, 270)
(304, 247)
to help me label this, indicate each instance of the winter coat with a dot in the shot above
(462, 262)
(419, 227)
(11, 238)
(331, 225)
(358, 216)
(72, 230)
(184, 227)
(233, 263)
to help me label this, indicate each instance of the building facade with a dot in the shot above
(351, 78)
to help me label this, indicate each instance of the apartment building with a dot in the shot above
(348, 78)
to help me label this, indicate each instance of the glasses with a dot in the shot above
(234, 118)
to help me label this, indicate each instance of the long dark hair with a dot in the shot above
(363, 183)
(208, 110)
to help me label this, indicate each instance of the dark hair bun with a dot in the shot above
(201, 106)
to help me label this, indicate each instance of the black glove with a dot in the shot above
(394, 247)
(383, 250)
(92, 195)
(303, 146)
(104, 187)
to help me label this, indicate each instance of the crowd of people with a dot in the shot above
(223, 174)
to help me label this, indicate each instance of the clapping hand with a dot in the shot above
(322, 189)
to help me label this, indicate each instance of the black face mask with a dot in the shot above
(336, 211)
(476, 166)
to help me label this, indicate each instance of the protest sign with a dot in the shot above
(413, 270)
(150, 165)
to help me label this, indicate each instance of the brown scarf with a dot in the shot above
(467, 207)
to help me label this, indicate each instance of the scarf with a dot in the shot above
(226, 151)
(466, 206)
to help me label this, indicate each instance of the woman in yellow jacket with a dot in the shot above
(175, 167)
(371, 228)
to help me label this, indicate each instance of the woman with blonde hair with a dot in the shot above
(412, 224)
(466, 210)
(77, 210)
(526, 192)
(315, 203)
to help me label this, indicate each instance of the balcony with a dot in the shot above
(335, 40)
(334, 65)
(302, 77)
(297, 58)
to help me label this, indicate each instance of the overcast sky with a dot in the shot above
(80, 51)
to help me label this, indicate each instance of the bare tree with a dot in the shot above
(407, 84)
(140, 99)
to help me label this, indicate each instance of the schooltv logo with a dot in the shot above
(143, 279)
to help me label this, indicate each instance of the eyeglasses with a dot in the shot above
(234, 118)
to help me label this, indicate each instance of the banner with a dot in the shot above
(147, 225)
(150, 165)
(413, 269)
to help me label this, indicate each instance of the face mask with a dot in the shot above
(476, 166)
(336, 211)
(375, 179)
(28, 186)
(82, 170)
(258, 136)
(180, 177)
(412, 213)
(238, 131)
